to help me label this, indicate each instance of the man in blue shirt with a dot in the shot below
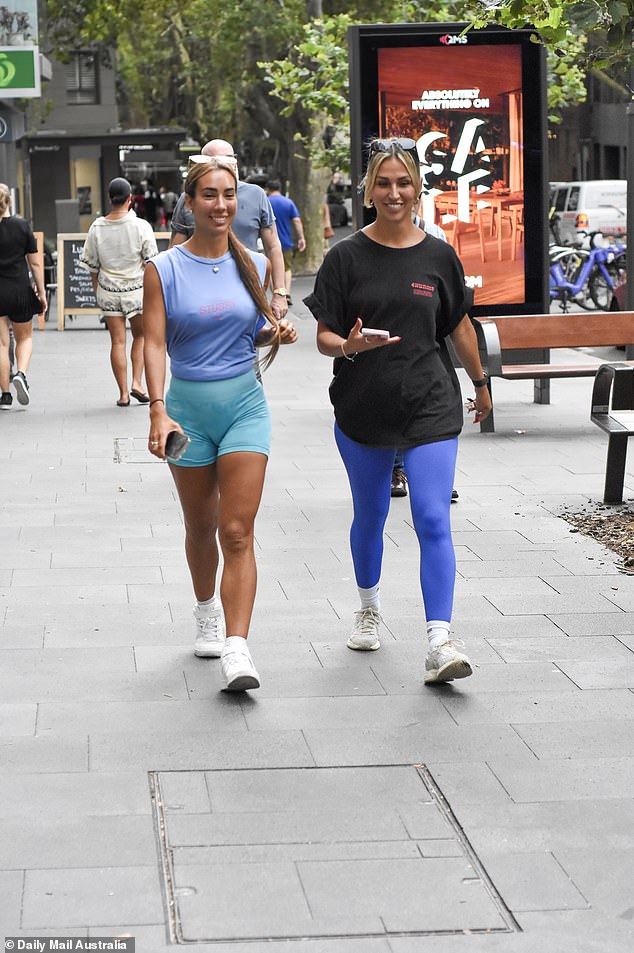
(287, 219)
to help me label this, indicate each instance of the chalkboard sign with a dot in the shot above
(74, 284)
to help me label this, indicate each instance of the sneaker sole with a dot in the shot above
(363, 648)
(21, 392)
(209, 651)
(455, 669)
(242, 683)
(6, 406)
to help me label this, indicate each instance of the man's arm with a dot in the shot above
(299, 228)
(273, 251)
(181, 225)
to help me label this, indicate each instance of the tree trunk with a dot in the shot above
(308, 190)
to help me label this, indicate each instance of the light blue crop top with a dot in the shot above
(211, 318)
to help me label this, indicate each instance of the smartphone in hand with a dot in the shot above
(375, 333)
(176, 444)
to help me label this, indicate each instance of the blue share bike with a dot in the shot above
(584, 275)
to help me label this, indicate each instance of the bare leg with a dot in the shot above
(116, 327)
(288, 277)
(5, 367)
(198, 492)
(240, 481)
(23, 334)
(136, 352)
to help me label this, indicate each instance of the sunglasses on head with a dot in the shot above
(202, 159)
(386, 145)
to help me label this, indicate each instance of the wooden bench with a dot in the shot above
(619, 380)
(541, 332)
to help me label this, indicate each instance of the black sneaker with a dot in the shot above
(6, 399)
(21, 388)
(454, 496)
(399, 483)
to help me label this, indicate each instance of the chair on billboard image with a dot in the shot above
(447, 211)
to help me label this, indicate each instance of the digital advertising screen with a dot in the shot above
(473, 104)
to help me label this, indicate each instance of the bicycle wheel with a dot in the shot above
(601, 290)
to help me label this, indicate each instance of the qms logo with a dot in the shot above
(450, 40)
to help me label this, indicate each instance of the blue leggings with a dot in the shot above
(430, 474)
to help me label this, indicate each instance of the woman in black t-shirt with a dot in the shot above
(400, 389)
(18, 301)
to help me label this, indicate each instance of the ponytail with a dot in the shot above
(251, 281)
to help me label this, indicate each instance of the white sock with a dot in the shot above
(370, 597)
(202, 608)
(437, 632)
(235, 642)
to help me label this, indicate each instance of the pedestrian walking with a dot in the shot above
(117, 248)
(398, 388)
(18, 301)
(168, 200)
(204, 302)
(254, 220)
(288, 221)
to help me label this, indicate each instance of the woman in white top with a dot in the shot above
(116, 250)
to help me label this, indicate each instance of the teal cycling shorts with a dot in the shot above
(225, 416)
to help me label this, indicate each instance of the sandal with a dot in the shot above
(140, 396)
(123, 403)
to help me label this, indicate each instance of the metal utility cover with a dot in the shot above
(317, 852)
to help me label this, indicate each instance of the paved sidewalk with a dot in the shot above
(344, 807)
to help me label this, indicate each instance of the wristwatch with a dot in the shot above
(280, 291)
(482, 381)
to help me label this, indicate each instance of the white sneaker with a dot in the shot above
(445, 662)
(210, 631)
(237, 666)
(365, 631)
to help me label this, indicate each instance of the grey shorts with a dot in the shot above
(127, 303)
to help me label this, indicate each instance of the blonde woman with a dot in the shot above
(205, 305)
(398, 389)
(18, 301)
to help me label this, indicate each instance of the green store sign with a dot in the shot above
(19, 72)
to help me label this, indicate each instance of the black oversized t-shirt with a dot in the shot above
(404, 394)
(16, 241)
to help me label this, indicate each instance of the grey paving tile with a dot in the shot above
(303, 683)
(554, 648)
(283, 826)
(111, 633)
(412, 744)
(88, 613)
(554, 604)
(62, 595)
(550, 826)
(468, 782)
(87, 576)
(16, 636)
(430, 894)
(174, 751)
(514, 707)
(184, 792)
(313, 789)
(603, 674)
(367, 711)
(580, 739)
(67, 794)
(538, 563)
(19, 754)
(80, 841)
(11, 884)
(259, 853)
(99, 686)
(602, 875)
(533, 881)
(17, 719)
(140, 716)
(66, 662)
(103, 896)
(564, 779)
(583, 624)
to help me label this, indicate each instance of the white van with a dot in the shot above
(595, 206)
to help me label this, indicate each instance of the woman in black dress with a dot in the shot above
(18, 301)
